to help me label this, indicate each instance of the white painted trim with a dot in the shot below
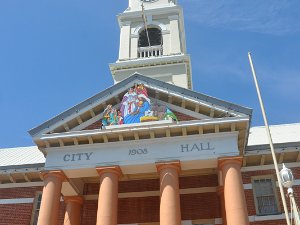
(186, 222)
(18, 185)
(265, 218)
(248, 186)
(11, 169)
(266, 151)
(145, 142)
(268, 167)
(182, 110)
(141, 26)
(218, 221)
(16, 201)
(198, 101)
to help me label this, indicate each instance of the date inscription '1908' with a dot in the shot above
(196, 147)
(140, 151)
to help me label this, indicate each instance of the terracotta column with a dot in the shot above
(50, 204)
(222, 203)
(73, 210)
(235, 202)
(169, 193)
(108, 195)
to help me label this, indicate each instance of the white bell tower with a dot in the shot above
(152, 43)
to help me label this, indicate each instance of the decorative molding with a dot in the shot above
(249, 185)
(18, 185)
(125, 23)
(138, 28)
(174, 17)
(267, 167)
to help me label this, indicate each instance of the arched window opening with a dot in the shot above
(152, 49)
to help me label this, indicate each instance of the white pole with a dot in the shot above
(145, 24)
(270, 141)
(294, 206)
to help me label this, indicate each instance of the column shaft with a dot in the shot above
(73, 210)
(170, 213)
(235, 202)
(108, 195)
(50, 204)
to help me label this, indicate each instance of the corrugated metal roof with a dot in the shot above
(283, 133)
(21, 156)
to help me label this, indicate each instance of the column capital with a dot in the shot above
(168, 165)
(76, 199)
(238, 160)
(55, 173)
(109, 169)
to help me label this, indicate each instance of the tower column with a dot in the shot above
(170, 213)
(235, 202)
(124, 51)
(174, 35)
(49, 209)
(134, 46)
(73, 210)
(108, 195)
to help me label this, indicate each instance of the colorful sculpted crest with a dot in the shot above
(136, 107)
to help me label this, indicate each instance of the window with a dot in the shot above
(155, 37)
(150, 43)
(264, 191)
(36, 208)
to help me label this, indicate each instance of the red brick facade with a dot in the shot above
(194, 206)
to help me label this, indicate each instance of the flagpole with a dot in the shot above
(270, 141)
(145, 24)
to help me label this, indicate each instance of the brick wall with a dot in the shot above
(25, 192)
(15, 214)
(146, 209)
(142, 209)
(153, 184)
(20, 214)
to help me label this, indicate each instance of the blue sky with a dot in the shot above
(55, 54)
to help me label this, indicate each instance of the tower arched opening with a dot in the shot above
(150, 43)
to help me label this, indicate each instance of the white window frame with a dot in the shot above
(273, 180)
(35, 209)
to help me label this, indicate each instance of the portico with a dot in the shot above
(185, 150)
(170, 207)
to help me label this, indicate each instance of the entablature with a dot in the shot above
(144, 131)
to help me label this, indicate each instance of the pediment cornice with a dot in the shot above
(203, 108)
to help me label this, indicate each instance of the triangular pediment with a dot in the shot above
(139, 101)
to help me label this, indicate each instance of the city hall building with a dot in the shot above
(148, 150)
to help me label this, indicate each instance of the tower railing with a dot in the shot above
(147, 52)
